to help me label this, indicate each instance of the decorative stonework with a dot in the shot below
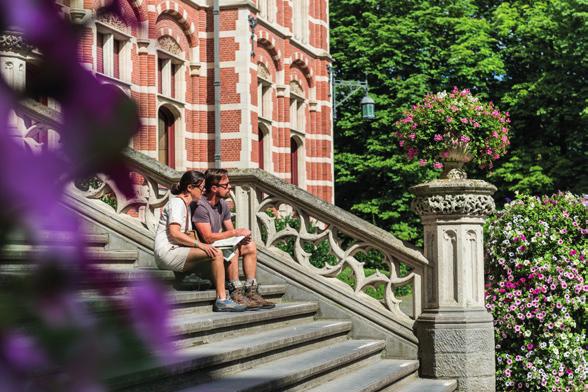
(113, 21)
(13, 42)
(462, 204)
(295, 88)
(170, 45)
(263, 72)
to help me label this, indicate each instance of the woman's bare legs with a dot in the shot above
(218, 269)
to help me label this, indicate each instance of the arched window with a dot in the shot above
(166, 137)
(170, 69)
(264, 92)
(264, 146)
(113, 48)
(297, 118)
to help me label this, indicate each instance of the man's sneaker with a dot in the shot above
(186, 281)
(227, 305)
(252, 294)
(238, 295)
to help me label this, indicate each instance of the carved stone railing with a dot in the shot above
(285, 220)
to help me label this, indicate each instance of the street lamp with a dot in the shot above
(351, 87)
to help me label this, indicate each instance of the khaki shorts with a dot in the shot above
(174, 258)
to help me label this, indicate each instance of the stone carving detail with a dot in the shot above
(296, 88)
(460, 204)
(170, 45)
(343, 250)
(143, 209)
(263, 72)
(13, 42)
(114, 21)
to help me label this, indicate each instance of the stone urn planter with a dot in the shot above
(454, 162)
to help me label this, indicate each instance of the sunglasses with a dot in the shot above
(224, 186)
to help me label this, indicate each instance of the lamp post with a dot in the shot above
(351, 87)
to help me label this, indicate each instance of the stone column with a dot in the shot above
(455, 330)
(13, 59)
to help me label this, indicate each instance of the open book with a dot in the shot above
(228, 246)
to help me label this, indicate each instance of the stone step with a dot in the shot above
(187, 302)
(371, 378)
(211, 361)
(416, 384)
(192, 330)
(59, 237)
(25, 252)
(298, 371)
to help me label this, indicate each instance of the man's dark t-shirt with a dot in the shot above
(205, 213)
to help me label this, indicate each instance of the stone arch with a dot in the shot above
(302, 62)
(266, 41)
(182, 17)
(136, 7)
(171, 38)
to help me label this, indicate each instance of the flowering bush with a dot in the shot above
(445, 122)
(536, 291)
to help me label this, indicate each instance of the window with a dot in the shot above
(260, 148)
(264, 92)
(166, 137)
(170, 69)
(300, 20)
(266, 9)
(297, 120)
(113, 57)
(294, 161)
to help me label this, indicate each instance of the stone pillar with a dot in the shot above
(455, 330)
(13, 59)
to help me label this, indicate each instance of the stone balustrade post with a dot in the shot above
(455, 331)
(13, 59)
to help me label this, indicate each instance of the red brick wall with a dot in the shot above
(286, 60)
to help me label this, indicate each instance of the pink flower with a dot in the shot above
(401, 143)
(438, 165)
(438, 137)
(464, 120)
(412, 136)
(449, 119)
(489, 151)
(444, 154)
(476, 125)
(422, 162)
(464, 139)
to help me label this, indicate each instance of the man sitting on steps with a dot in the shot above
(212, 219)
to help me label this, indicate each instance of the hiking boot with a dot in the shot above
(252, 294)
(188, 281)
(238, 295)
(227, 305)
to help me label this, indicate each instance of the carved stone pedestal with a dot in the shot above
(13, 64)
(456, 334)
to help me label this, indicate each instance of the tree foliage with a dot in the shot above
(527, 57)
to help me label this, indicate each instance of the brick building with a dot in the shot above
(275, 110)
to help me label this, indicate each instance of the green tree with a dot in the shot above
(528, 57)
(405, 49)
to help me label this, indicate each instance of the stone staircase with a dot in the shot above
(291, 347)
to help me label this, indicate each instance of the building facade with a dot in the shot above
(272, 65)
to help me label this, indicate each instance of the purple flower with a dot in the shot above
(150, 311)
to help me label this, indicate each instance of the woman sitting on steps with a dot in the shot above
(177, 249)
